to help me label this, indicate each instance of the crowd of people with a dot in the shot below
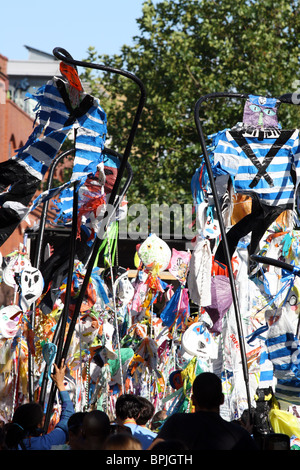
(135, 426)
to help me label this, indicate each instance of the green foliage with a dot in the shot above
(187, 49)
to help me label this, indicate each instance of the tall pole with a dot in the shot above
(224, 235)
(63, 55)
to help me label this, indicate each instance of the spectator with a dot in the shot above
(128, 409)
(117, 427)
(169, 445)
(146, 413)
(158, 420)
(75, 430)
(75, 441)
(122, 441)
(205, 429)
(25, 432)
(95, 429)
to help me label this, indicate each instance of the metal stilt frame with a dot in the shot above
(64, 56)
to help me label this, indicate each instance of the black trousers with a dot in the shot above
(257, 222)
(17, 185)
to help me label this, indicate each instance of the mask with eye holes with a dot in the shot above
(32, 284)
(260, 111)
(154, 253)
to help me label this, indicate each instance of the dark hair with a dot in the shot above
(207, 390)
(127, 406)
(25, 423)
(146, 412)
(169, 444)
(122, 441)
(158, 419)
(119, 428)
(75, 422)
(96, 424)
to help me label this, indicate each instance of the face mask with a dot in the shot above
(14, 267)
(125, 290)
(260, 111)
(32, 284)
(9, 321)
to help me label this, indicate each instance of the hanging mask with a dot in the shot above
(197, 341)
(117, 277)
(107, 331)
(154, 253)
(260, 111)
(111, 275)
(9, 321)
(15, 266)
(179, 264)
(124, 289)
(88, 328)
(32, 284)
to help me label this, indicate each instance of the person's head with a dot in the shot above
(158, 419)
(74, 430)
(127, 406)
(28, 420)
(95, 429)
(146, 412)
(169, 445)
(207, 392)
(122, 441)
(117, 427)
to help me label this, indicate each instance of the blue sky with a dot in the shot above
(74, 25)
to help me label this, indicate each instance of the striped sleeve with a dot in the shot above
(226, 154)
(89, 143)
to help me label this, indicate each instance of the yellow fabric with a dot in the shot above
(188, 374)
(284, 422)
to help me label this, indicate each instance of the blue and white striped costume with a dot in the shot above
(56, 117)
(264, 164)
(284, 353)
(283, 350)
(56, 120)
(276, 185)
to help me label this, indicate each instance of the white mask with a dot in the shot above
(32, 284)
(15, 266)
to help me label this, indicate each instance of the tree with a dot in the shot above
(186, 49)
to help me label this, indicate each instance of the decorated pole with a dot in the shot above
(36, 263)
(288, 99)
(58, 54)
(64, 56)
(223, 231)
(61, 326)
